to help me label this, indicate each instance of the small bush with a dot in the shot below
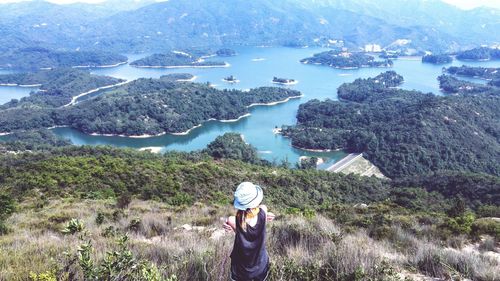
(46, 276)
(124, 200)
(488, 244)
(73, 226)
(488, 211)
(486, 226)
(109, 231)
(119, 264)
(99, 218)
(462, 224)
(135, 225)
(3, 228)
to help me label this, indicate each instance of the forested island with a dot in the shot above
(284, 81)
(346, 60)
(57, 87)
(482, 54)
(405, 132)
(176, 60)
(361, 89)
(146, 107)
(35, 58)
(225, 52)
(437, 59)
(230, 79)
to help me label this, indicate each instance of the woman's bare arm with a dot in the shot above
(269, 216)
(230, 224)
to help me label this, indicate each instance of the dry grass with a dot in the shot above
(300, 248)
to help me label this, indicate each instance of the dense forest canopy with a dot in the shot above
(437, 59)
(35, 58)
(57, 86)
(174, 59)
(489, 73)
(341, 59)
(481, 53)
(145, 106)
(405, 132)
(452, 85)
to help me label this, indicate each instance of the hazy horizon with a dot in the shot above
(462, 4)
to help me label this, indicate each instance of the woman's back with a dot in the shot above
(249, 258)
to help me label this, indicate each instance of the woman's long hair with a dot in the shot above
(242, 216)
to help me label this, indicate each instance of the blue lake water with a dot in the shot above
(315, 82)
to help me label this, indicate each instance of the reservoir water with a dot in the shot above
(256, 67)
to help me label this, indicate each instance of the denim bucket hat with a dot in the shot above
(247, 195)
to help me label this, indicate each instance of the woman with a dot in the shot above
(249, 258)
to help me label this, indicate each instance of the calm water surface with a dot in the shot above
(315, 82)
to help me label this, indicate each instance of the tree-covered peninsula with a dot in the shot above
(57, 87)
(340, 59)
(405, 132)
(35, 58)
(452, 85)
(146, 106)
(487, 73)
(437, 59)
(481, 53)
(175, 60)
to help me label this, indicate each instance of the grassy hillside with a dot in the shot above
(64, 210)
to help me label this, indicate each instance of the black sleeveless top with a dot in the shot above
(249, 259)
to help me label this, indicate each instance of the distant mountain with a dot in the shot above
(150, 26)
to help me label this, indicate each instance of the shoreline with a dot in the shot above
(187, 80)
(20, 85)
(100, 66)
(175, 134)
(75, 98)
(231, 81)
(295, 82)
(152, 149)
(182, 66)
(275, 102)
(232, 120)
(187, 131)
(317, 150)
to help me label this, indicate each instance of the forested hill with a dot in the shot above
(489, 73)
(340, 59)
(146, 106)
(35, 58)
(175, 60)
(179, 23)
(405, 132)
(482, 53)
(57, 86)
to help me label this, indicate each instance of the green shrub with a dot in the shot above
(486, 226)
(124, 200)
(3, 228)
(45, 276)
(135, 225)
(7, 205)
(119, 264)
(99, 218)
(462, 224)
(488, 211)
(73, 226)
